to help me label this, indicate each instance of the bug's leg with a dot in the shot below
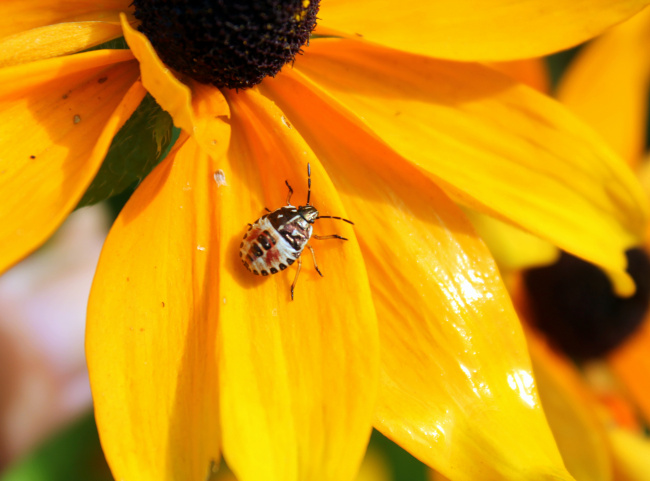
(325, 237)
(313, 255)
(334, 217)
(290, 193)
(267, 209)
(250, 226)
(295, 279)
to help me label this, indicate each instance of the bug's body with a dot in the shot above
(276, 240)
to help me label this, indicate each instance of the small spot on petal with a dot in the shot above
(285, 122)
(200, 248)
(220, 178)
(76, 119)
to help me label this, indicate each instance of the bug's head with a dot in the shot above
(308, 212)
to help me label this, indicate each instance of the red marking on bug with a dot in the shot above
(272, 256)
(278, 238)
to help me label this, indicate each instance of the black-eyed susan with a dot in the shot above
(410, 330)
(589, 347)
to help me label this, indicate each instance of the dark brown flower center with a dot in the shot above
(573, 304)
(227, 43)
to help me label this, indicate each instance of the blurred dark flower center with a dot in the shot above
(227, 43)
(572, 302)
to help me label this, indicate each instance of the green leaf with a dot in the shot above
(137, 148)
(72, 454)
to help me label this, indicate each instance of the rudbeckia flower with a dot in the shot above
(411, 329)
(589, 347)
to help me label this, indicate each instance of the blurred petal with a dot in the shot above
(435, 476)
(493, 145)
(512, 248)
(569, 407)
(375, 467)
(176, 98)
(55, 40)
(57, 120)
(152, 323)
(631, 364)
(607, 86)
(298, 378)
(531, 71)
(18, 16)
(465, 30)
(457, 390)
(631, 455)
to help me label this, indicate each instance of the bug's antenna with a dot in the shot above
(308, 182)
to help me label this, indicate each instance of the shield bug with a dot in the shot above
(276, 240)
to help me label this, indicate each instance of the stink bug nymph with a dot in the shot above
(276, 240)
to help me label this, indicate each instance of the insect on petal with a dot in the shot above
(494, 145)
(298, 378)
(456, 389)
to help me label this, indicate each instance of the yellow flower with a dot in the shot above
(589, 348)
(411, 329)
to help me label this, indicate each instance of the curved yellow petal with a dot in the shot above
(631, 455)
(194, 116)
(531, 71)
(606, 85)
(153, 316)
(55, 40)
(298, 379)
(211, 117)
(464, 30)
(18, 80)
(631, 364)
(456, 389)
(494, 145)
(171, 94)
(18, 16)
(57, 120)
(375, 467)
(512, 248)
(571, 411)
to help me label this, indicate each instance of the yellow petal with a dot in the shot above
(170, 93)
(55, 40)
(631, 364)
(631, 455)
(57, 119)
(374, 468)
(435, 476)
(176, 98)
(18, 16)
(298, 378)
(571, 412)
(464, 30)
(532, 72)
(456, 388)
(211, 116)
(493, 145)
(512, 248)
(152, 322)
(607, 86)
